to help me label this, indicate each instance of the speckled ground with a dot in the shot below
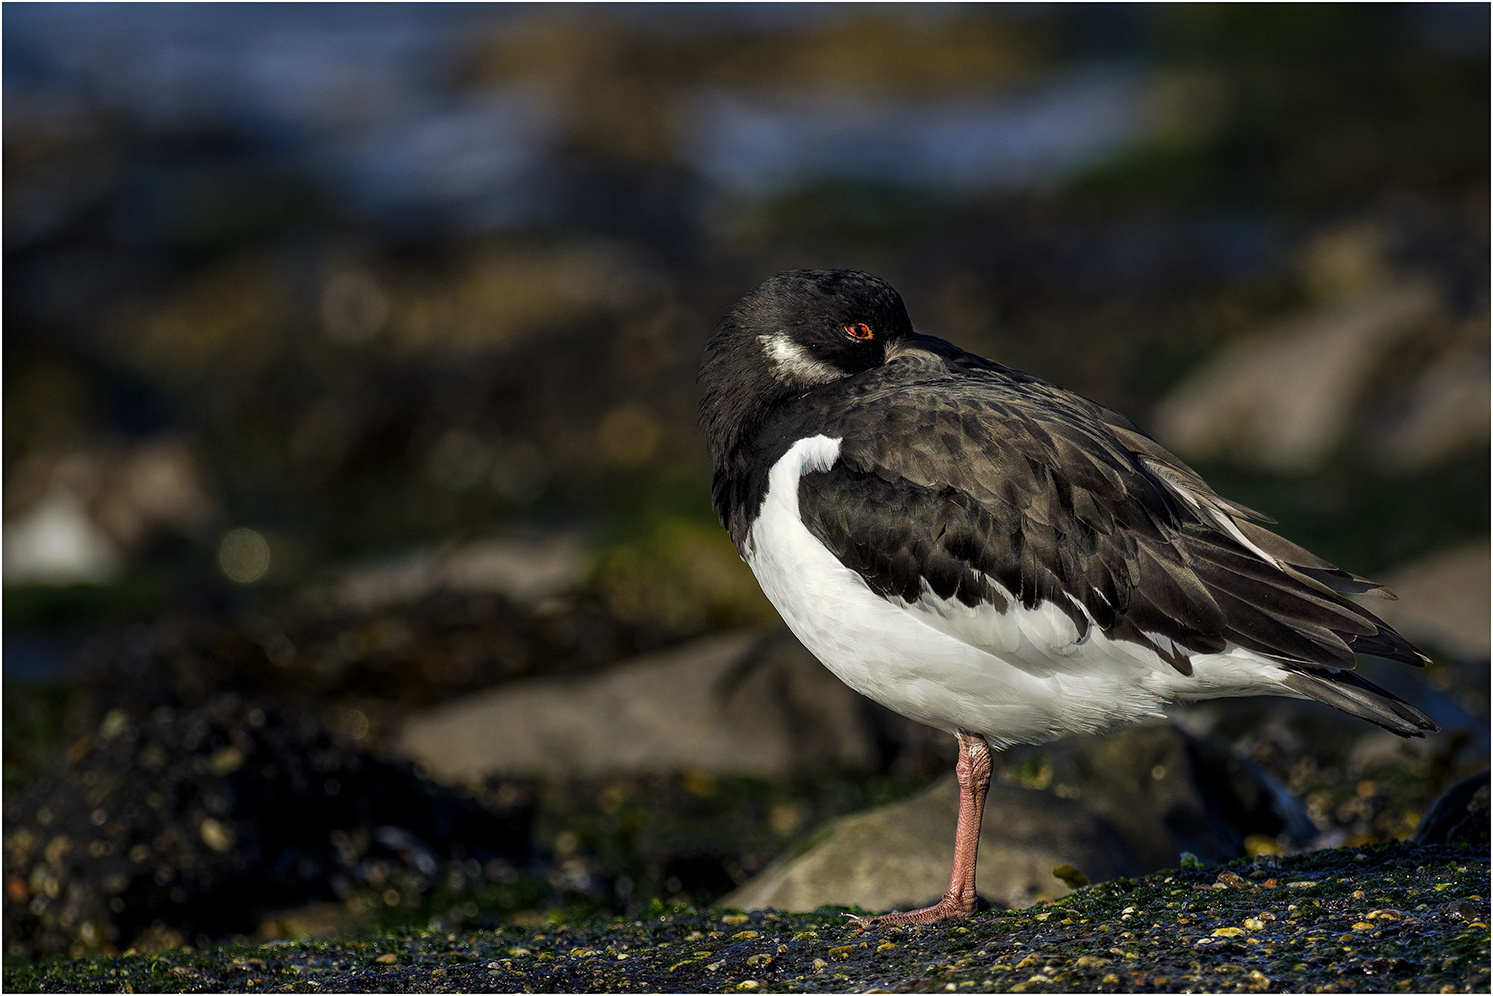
(1390, 918)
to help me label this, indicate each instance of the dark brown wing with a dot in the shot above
(954, 481)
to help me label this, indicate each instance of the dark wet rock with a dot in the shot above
(192, 823)
(1459, 815)
(1122, 804)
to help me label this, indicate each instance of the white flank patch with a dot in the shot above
(792, 363)
(1017, 677)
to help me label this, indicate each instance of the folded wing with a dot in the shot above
(1010, 489)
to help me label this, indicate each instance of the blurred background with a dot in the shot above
(349, 414)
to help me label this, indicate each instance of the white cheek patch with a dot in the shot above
(790, 361)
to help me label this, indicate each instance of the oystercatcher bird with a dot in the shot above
(994, 556)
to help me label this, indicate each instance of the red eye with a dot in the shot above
(860, 330)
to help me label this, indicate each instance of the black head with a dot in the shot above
(798, 330)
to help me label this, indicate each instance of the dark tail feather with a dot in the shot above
(1347, 691)
(1388, 643)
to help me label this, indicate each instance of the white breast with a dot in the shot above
(1019, 676)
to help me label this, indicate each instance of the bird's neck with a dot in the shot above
(734, 408)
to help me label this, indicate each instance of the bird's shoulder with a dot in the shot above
(939, 417)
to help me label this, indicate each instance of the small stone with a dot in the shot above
(226, 761)
(59, 846)
(1258, 845)
(1228, 932)
(116, 721)
(1070, 876)
(215, 835)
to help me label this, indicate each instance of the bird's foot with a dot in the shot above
(947, 908)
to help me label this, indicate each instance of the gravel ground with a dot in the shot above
(1395, 917)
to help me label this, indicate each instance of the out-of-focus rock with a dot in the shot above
(315, 920)
(1345, 258)
(1166, 791)
(899, 855)
(1459, 815)
(1443, 601)
(1283, 399)
(362, 671)
(525, 569)
(75, 516)
(738, 704)
(493, 298)
(56, 542)
(684, 576)
(1444, 411)
(1118, 805)
(230, 318)
(156, 485)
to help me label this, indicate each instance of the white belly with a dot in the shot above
(1015, 677)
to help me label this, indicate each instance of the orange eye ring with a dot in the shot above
(860, 330)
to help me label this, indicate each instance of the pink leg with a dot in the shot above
(973, 772)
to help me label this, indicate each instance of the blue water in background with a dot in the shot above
(366, 99)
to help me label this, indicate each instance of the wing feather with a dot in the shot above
(996, 477)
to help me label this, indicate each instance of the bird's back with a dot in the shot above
(960, 482)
